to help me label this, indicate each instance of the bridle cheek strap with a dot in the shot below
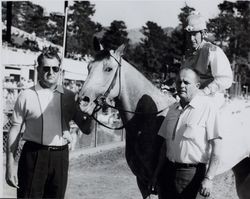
(101, 99)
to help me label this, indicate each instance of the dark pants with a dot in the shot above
(182, 182)
(42, 172)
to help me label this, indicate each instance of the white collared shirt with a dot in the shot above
(188, 131)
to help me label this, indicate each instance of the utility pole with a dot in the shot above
(61, 79)
(9, 21)
(65, 29)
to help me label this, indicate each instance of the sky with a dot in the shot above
(135, 14)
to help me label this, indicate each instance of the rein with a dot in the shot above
(101, 102)
(105, 104)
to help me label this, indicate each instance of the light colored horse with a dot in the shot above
(142, 108)
(132, 92)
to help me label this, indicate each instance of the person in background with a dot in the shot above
(72, 86)
(191, 152)
(207, 59)
(22, 83)
(45, 111)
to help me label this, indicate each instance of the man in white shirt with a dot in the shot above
(190, 154)
(208, 60)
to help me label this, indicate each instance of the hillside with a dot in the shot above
(135, 35)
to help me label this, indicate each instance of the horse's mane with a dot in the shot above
(105, 54)
(102, 54)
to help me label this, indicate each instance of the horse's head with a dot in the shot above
(102, 80)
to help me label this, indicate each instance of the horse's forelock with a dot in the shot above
(103, 54)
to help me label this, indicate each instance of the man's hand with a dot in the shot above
(152, 185)
(206, 187)
(67, 137)
(11, 175)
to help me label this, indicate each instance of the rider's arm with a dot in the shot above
(221, 71)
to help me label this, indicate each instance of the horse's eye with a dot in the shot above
(108, 69)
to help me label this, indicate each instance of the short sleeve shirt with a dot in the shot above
(188, 131)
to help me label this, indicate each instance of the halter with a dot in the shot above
(101, 101)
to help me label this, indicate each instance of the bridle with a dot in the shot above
(101, 100)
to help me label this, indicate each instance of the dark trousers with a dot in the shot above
(182, 182)
(42, 173)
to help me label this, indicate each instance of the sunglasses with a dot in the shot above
(54, 68)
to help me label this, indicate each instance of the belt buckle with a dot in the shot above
(51, 148)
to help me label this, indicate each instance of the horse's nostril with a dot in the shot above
(86, 99)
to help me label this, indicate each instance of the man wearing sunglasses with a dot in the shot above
(208, 60)
(44, 111)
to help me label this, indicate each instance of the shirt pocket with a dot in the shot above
(194, 131)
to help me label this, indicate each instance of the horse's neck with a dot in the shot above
(134, 86)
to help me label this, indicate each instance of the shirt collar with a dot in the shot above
(177, 106)
(195, 102)
(58, 88)
(201, 44)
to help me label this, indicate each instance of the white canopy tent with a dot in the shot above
(15, 57)
(75, 70)
(26, 60)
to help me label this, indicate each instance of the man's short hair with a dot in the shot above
(49, 53)
(192, 69)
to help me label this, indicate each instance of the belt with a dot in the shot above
(47, 148)
(184, 165)
(54, 148)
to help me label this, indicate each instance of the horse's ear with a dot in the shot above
(97, 45)
(120, 51)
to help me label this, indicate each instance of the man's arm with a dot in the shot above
(12, 145)
(17, 120)
(214, 161)
(83, 120)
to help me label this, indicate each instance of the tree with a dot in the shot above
(80, 28)
(29, 17)
(154, 45)
(55, 29)
(231, 28)
(178, 42)
(115, 35)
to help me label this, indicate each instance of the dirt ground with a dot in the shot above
(106, 176)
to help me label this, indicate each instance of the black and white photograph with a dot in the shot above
(125, 99)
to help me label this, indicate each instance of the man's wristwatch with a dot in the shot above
(208, 177)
